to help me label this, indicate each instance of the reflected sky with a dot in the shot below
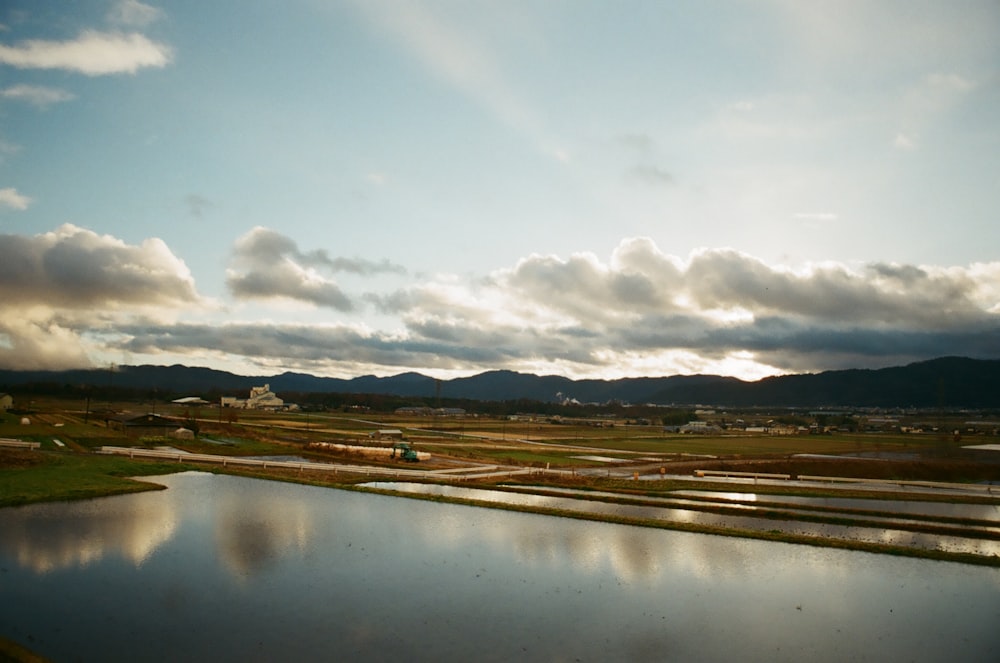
(672, 510)
(941, 509)
(48, 537)
(248, 533)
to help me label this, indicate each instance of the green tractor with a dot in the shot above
(405, 452)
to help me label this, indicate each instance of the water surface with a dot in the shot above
(882, 530)
(225, 568)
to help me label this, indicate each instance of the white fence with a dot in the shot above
(19, 444)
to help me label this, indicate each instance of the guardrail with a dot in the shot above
(19, 444)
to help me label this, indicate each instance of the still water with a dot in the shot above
(892, 531)
(986, 512)
(224, 569)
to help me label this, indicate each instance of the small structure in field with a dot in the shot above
(143, 425)
(387, 434)
(190, 400)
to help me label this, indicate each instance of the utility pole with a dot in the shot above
(86, 414)
(111, 386)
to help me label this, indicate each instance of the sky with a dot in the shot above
(584, 188)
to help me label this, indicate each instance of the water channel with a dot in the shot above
(225, 568)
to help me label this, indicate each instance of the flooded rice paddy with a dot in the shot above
(222, 568)
(978, 538)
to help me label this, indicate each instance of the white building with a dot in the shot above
(700, 428)
(261, 398)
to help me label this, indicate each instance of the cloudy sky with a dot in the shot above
(576, 187)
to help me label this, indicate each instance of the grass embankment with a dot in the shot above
(39, 476)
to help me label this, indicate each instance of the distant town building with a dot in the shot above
(261, 398)
(700, 428)
(6, 402)
(424, 411)
(415, 411)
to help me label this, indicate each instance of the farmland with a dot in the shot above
(523, 441)
(599, 460)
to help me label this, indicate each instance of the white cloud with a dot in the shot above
(950, 84)
(933, 95)
(816, 216)
(642, 312)
(64, 289)
(197, 204)
(925, 102)
(644, 169)
(721, 306)
(904, 142)
(7, 148)
(815, 219)
(561, 155)
(134, 13)
(778, 117)
(28, 343)
(9, 197)
(36, 95)
(640, 142)
(651, 175)
(91, 53)
(75, 268)
(872, 38)
(269, 265)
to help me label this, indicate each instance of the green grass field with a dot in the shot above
(40, 476)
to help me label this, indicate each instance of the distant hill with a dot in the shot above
(945, 382)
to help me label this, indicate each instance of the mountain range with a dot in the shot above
(944, 382)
